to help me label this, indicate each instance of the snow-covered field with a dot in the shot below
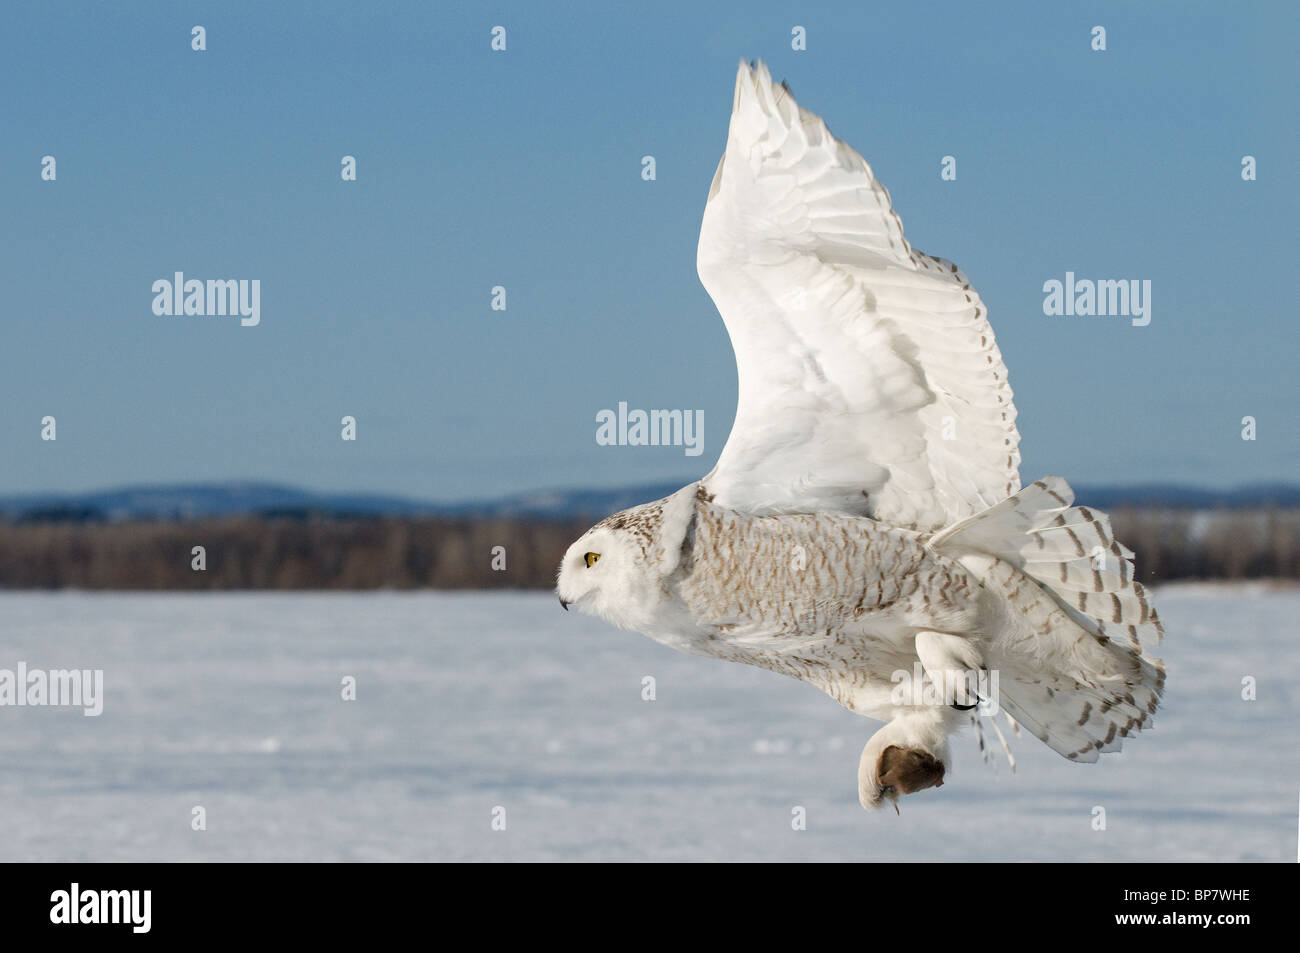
(469, 702)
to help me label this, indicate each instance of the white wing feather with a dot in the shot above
(870, 382)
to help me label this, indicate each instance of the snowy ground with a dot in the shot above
(466, 702)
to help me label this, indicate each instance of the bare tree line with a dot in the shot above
(322, 552)
(284, 553)
(1211, 544)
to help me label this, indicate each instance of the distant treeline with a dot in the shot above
(284, 553)
(330, 552)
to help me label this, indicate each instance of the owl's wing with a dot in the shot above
(870, 382)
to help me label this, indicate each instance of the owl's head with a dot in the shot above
(619, 569)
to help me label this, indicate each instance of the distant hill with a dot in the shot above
(1178, 496)
(217, 500)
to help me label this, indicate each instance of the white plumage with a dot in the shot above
(870, 382)
(863, 517)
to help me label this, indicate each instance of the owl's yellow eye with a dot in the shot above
(591, 558)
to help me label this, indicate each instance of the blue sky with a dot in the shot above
(522, 169)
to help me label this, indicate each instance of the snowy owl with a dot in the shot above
(865, 524)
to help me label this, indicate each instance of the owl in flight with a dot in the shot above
(865, 527)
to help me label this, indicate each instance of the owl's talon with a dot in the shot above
(979, 699)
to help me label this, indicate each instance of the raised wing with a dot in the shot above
(870, 382)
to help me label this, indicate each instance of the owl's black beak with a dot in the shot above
(564, 605)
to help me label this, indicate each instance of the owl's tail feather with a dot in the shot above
(1074, 662)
